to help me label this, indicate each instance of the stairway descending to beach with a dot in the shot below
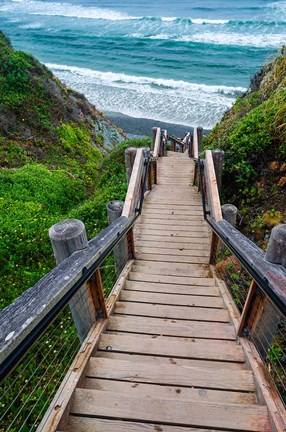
(169, 359)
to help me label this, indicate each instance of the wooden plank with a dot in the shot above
(173, 222)
(178, 280)
(83, 424)
(173, 312)
(199, 228)
(191, 246)
(172, 251)
(165, 346)
(170, 374)
(184, 240)
(144, 231)
(173, 266)
(171, 288)
(212, 189)
(165, 327)
(154, 218)
(172, 270)
(195, 144)
(134, 185)
(172, 299)
(170, 392)
(195, 212)
(172, 258)
(107, 404)
(155, 360)
(189, 206)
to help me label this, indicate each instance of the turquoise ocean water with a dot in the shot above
(180, 61)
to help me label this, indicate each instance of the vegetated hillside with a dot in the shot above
(59, 158)
(253, 135)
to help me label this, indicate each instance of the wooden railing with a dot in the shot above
(261, 324)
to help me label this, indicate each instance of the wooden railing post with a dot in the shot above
(218, 158)
(154, 133)
(200, 133)
(130, 154)
(67, 237)
(229, 213)
(276, 251)
(120, 252)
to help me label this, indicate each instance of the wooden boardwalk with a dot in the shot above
(169, 360)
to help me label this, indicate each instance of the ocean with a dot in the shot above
(180, 61)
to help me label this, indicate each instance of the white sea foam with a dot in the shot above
(110, 78)
(219, 38)
(208, 21)
(64, 9)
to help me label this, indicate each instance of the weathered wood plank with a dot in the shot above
(164, 346)
(194, 212)
(172, 244)
(172, 288)
(178, 280)
(170, 374)
(172, 299)
(179, 252)
(200, 228)
(83, 424)
(132, 195)
(173, 312)
(212, 190)
(158, 326)
(174, 266)
(172, 271)
(172, 220)
(194, 241)
(156, 360)
(172, 258)
(145, 232)
(170, 392)
(107, 404)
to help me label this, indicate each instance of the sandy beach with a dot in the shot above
(142, 127)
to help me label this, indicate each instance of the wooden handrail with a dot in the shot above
(156, 152)
(212, 189)
(133, 196)
(36, 305)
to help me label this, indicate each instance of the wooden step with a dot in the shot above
(165, 346)
(172, 299)
(160, 250)
(173, 266)
(83, 424)
(197, 414)
(200, 228)
(165, 327)
(173, 220)
(210, 291)
(171, 244)
(172, 270)
(172, 258)
(183, 376)
(172, 312)
(178, 280)
(145, 231)
(170, 392)
(191, 240)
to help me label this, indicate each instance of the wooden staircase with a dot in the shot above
(169, 360)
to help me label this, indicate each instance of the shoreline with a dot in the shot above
(142, 127)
